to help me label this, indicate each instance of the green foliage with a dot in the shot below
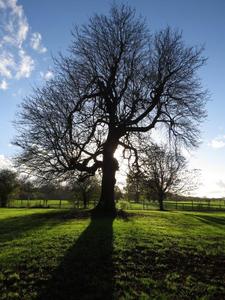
(7, 185)
(123, 204)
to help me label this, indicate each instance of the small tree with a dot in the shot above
(119, 82)
(7, 185)
(26, 189)
(134, 185)
(86, 190)
(165, 171)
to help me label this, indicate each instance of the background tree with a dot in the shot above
(48, 190)
(165, 171)
(118, 82)
(134, 184)
(86, 191)
(26, 189)
(8, 183)
(118, 193)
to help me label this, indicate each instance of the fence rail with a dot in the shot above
(177, 205)
(196, 205)
(168, 204)
(59, 203)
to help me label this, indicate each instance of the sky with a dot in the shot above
(34, 31)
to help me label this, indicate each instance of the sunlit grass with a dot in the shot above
(149, 255)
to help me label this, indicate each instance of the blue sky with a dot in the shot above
(31, 31)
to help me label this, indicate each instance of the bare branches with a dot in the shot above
(165, 169)
(117, 82)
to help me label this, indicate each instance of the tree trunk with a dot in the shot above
(137, 196)
(161, 199)
(3, 201)
(84, 196)
(106, 204)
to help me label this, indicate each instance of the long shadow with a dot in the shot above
(212, 220)
(15, 227)
(86, 271)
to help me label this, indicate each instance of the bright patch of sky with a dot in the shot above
(32, 31)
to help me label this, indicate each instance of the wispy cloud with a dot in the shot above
(47, 75)
(36, 43)
(26, 65)
(3, 85)
(7, 64)
(15, 33)
(218, 142)
(14, 23)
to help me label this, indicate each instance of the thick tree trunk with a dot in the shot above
(106, 204)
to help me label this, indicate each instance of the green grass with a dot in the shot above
(59, 254)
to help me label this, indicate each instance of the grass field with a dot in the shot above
(62, 254)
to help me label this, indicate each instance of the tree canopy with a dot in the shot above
(118, 82)
(164, 170)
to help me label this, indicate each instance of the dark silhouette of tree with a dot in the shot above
(118, 82)
(165, 171)
(8, 183)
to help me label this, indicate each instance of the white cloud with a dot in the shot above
(36, 44)
(47, 75)
(14, 23)
(221, 184)
(218, 142)
(26, 65)
(7, 64)
(15, 61)
(3, 85)
(5, 163)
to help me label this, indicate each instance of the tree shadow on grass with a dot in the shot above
(86, 271)
(16, 227)
(212, 220)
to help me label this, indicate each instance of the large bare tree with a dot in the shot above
(118, 82)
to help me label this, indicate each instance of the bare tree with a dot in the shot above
(118, 82)
(165, 171)
(134, 184)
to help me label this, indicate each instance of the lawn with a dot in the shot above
(62, 254)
